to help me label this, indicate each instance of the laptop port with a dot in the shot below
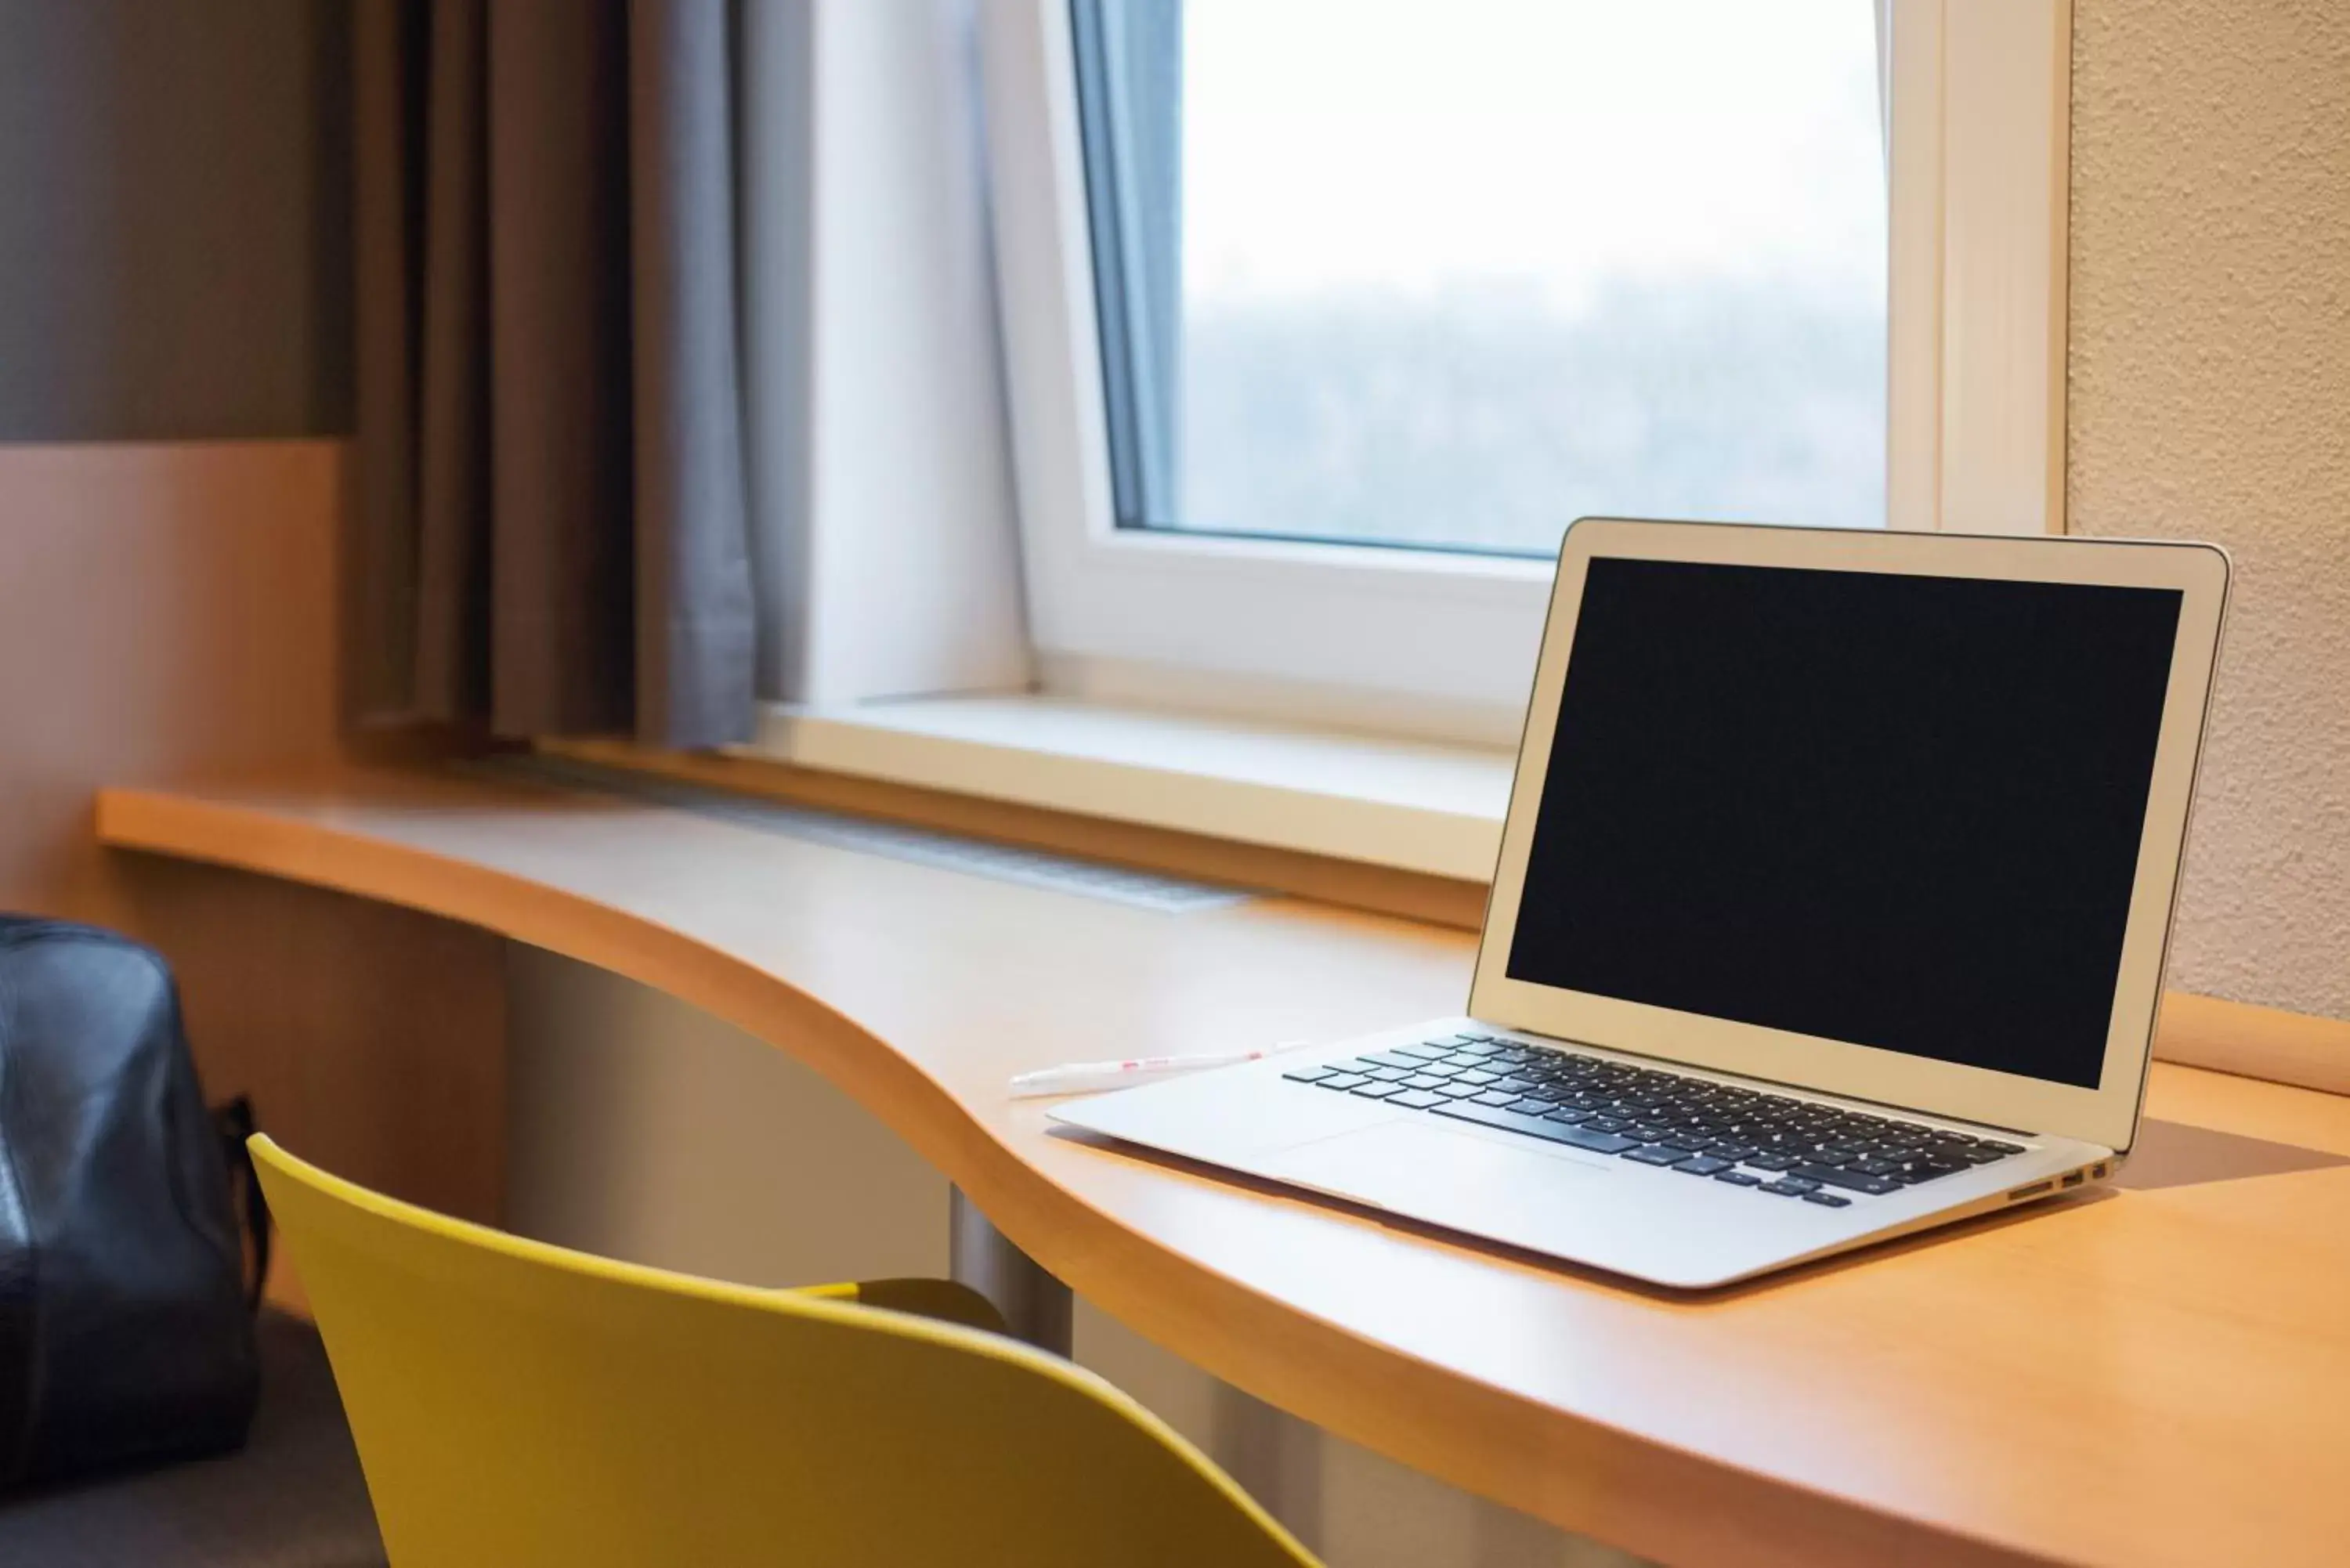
(2034, 1191)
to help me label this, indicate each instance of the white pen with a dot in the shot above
(1083, 1077)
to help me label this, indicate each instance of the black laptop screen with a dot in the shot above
(1899, 811)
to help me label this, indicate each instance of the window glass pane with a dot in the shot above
(1456, 271)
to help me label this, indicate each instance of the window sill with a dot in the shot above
(1398, 827)
(1405, 806)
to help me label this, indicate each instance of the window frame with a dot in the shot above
(1445, 643)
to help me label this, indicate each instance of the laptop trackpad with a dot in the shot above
(1430, 1169)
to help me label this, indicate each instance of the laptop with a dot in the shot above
(1832, 904)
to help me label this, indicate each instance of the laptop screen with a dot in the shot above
(1899, 811)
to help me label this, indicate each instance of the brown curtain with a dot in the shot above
(550, 533)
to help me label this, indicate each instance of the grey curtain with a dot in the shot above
(550, 533)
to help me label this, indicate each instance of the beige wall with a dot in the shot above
(2210, 398)
(168, 610)
(164, 609)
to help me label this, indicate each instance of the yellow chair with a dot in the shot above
(517, 1404)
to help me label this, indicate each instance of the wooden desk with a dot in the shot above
(2154, 1376)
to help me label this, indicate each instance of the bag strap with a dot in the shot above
(235, 1123)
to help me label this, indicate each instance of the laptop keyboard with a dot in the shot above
(1739, 1137)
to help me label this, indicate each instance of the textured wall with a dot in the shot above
(2210, 398)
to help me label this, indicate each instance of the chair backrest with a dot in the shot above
(516, 1404)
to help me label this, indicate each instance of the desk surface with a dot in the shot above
(2153, 1376)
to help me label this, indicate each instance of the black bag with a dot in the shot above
(125, 1330)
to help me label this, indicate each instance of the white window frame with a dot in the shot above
(1444, 643)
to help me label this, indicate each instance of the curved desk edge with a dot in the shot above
(1543, 1459)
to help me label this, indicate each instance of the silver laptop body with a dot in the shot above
(1832, 904)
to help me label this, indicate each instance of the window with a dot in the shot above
(1323, 317)
(1454, 274)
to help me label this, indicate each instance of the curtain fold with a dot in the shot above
(551, 534)
(696, 661)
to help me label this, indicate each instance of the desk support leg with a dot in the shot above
(1036, 1305)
